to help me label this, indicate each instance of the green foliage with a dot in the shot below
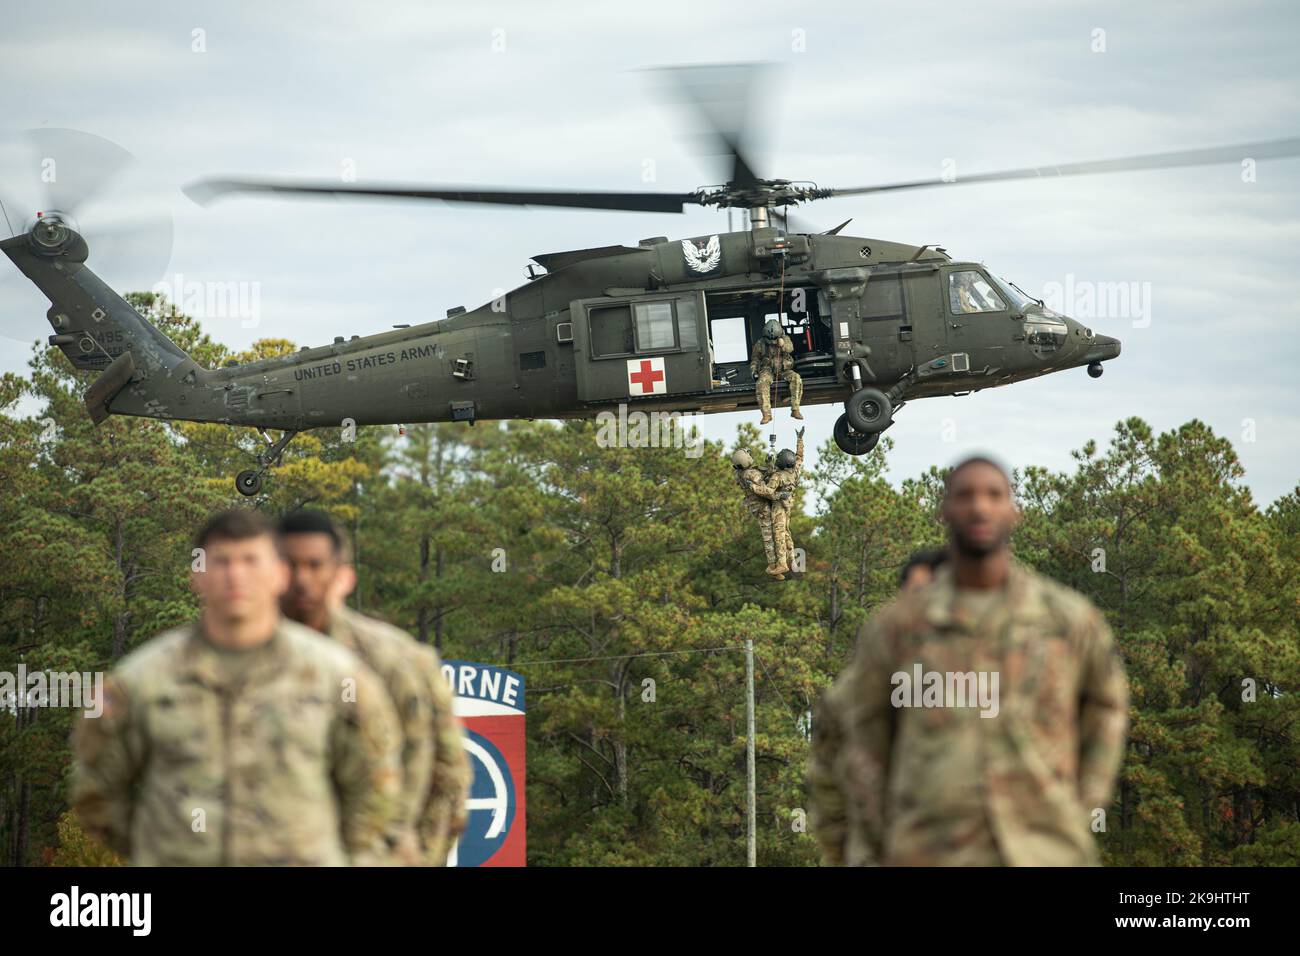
(622, 582)
(77, 849)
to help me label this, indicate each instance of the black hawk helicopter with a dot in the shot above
(660, 325)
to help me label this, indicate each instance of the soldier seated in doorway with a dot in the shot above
(772, 359)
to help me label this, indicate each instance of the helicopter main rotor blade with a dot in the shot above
(1271, 149)
(721, 98)
(206, 191)
(73, 166)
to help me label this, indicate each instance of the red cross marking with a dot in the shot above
(646, 377)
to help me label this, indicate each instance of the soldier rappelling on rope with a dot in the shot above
(772, 360)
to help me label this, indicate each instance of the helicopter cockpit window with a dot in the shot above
(970, 292)
(1014, 294)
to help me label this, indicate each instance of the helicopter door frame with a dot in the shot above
(994, 331)
(624, 350)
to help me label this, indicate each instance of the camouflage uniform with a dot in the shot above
(943, 785)
(390, 654)
(770, 361)
(294, 762)
(445, 811)
(435, 766)
(786, 480)
(759, 502)
(827, 782)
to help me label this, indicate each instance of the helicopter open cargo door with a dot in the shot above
(641, 347)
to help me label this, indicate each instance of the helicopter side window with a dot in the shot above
(654, 326)
(688, 332)
(883, 298)
(611, 330)
(970, 292)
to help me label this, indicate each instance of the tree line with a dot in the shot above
(622, 582)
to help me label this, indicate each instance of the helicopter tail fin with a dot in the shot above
(96, 328)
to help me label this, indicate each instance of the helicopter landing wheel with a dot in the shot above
(1095, 369)
(248, 483)
(853, 442)
(869, 410)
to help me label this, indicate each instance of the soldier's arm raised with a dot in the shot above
(366, 769)
(1103, 713)
(108, 752)
(798, 454)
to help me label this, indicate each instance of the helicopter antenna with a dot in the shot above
(7, 222)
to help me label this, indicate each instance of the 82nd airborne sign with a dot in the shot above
(490, 704)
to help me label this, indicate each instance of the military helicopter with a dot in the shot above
(660, 325)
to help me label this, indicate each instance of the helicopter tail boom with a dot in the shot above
(97, 329)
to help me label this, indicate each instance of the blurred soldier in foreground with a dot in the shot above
(931, 777)
(785, 482)
(760, 501)
(828, 781)
(920, 568)
(436, 774)
(242, 739)
(772, 359)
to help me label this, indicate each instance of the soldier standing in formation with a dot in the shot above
(896, 784)
(772, 359)
(829, 779)
(436, 774)
(244, 738)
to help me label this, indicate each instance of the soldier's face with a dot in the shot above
(242, 579)
(979, 509)
(315, 570)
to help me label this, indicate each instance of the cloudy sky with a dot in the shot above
(551, 96)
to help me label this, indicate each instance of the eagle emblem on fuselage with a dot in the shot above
(705, 257)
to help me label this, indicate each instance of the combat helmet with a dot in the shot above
(772, 330)
(785, 458)
(741, 459)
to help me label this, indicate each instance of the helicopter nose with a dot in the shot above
(1103, 347)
